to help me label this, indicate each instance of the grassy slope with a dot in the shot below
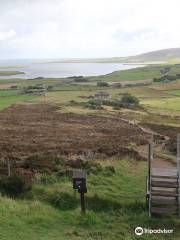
(53, 213)
(164, 55)
(130, 75)
(140, 73)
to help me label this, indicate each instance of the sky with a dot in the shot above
(87, 28)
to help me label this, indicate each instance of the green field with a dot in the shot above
(136, 74)
(168, 104)
(9, 97)
(151, 99)
(175, 92)
(155, 97)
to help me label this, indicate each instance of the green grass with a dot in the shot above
(9, 97)
(175, 92)
(141, 73)
(7, 93)
(51, 211)
(165, 104)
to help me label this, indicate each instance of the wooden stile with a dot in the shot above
(163, 188)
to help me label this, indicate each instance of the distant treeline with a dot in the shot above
(167, 78)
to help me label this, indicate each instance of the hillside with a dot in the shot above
(160, 55)
(165, 55)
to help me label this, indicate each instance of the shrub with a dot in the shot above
(102, 84)
(169, 77)
(14, 87)
(14, 185)
(108, 102)
(128, 99)
(165, 70)
(157, 79)
(116, 107)
(49, 88)
(166, 78)
(80, 79)
(109, 170)
(95, 102)
(94, 105)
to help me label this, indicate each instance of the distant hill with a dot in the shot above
(165, 55)
(171, 55)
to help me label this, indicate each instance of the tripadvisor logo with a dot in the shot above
(140, 231)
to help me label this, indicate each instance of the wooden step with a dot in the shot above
(165, 176)
(165, 184)
(164, 193)
(170, 201)
(163, 210)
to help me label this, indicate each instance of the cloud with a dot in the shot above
(7, 35)
(86, 28)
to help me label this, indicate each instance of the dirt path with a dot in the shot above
(160, 166)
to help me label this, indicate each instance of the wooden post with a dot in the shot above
(83, 209)
(45, 96)
(149, 164)
(9, 168)
(178, 170)
(150, 158)
(79, 183)
(152, 147)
